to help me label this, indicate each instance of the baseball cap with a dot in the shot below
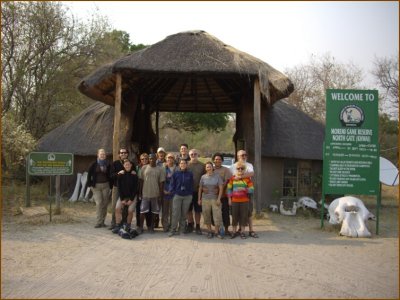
(161, 149)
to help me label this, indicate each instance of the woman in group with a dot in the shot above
(144, 160)
(238, 191)
(182, 189)
(100, 182)
(170, 168)
(211, 187)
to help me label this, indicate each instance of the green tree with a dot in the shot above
(388, 138)
(45, 53)
(194, 122)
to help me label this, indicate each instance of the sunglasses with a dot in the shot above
(241, 169)
(243, 155)
(123, 153)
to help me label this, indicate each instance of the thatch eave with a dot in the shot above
(192, 53)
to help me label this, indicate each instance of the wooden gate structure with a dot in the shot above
(188, 72)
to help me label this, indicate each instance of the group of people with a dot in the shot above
(181, 188)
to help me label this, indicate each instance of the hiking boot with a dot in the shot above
(198, 231)
(173, 232)
(116, 229)
(98, 225)
(188, 228)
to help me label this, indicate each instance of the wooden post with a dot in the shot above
(257, 145)
(58, 196)
(117, 116)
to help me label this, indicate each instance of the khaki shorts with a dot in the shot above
(131, 207)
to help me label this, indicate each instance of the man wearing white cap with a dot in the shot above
(161, 157)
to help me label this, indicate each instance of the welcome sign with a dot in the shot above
(351, 149)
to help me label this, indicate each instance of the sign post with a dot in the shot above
(48, 164)
(351, 147)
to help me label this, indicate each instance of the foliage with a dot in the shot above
(45, 53)
(207, 142)
(386, 73)
(311, 81)
(194, 122)
(16, 143)
(388, 138)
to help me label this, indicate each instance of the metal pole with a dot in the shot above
(378, 207)
(28, 184)
(50, 197)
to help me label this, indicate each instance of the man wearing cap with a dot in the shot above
(152, 178)
(161, 157)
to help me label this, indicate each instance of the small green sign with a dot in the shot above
(351, 148)
(50, 163)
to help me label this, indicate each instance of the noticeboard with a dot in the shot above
(50, 163)
(351, 149)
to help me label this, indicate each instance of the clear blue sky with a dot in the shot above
(283, 34)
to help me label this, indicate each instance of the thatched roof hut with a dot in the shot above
(188, 71)
(291, 133)
(83, 134)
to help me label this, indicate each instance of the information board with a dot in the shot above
(351, 149)
(50, 163)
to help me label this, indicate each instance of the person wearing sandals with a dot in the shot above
(182, 189)
(242, 157)
(238, 191)
(211, 187)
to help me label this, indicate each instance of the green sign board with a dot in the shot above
(351, 149)
(50, 163)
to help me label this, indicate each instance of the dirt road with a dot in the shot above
(293, 258)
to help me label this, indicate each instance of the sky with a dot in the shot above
(283, 34)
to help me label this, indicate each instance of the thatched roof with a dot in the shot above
(84, 134)
(288, 133)
(291, 133)
(188, 71)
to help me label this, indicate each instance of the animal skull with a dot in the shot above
(307, 202)
(352, 213)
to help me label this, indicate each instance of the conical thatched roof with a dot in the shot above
(84, 134)
(291, 133)
(188, 71)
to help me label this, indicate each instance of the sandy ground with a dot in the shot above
(293, 258)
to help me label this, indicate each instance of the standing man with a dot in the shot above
(161, 161)
(198, 170)
(183, 153)
(249, 172)
(118, 167)
(225, 175)
(152, 178)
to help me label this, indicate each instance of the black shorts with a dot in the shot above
(195, 204)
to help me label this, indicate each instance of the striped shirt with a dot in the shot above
(238, 189)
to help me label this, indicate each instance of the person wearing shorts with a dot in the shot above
(127, 189)
(211, 188)
(152, 178)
